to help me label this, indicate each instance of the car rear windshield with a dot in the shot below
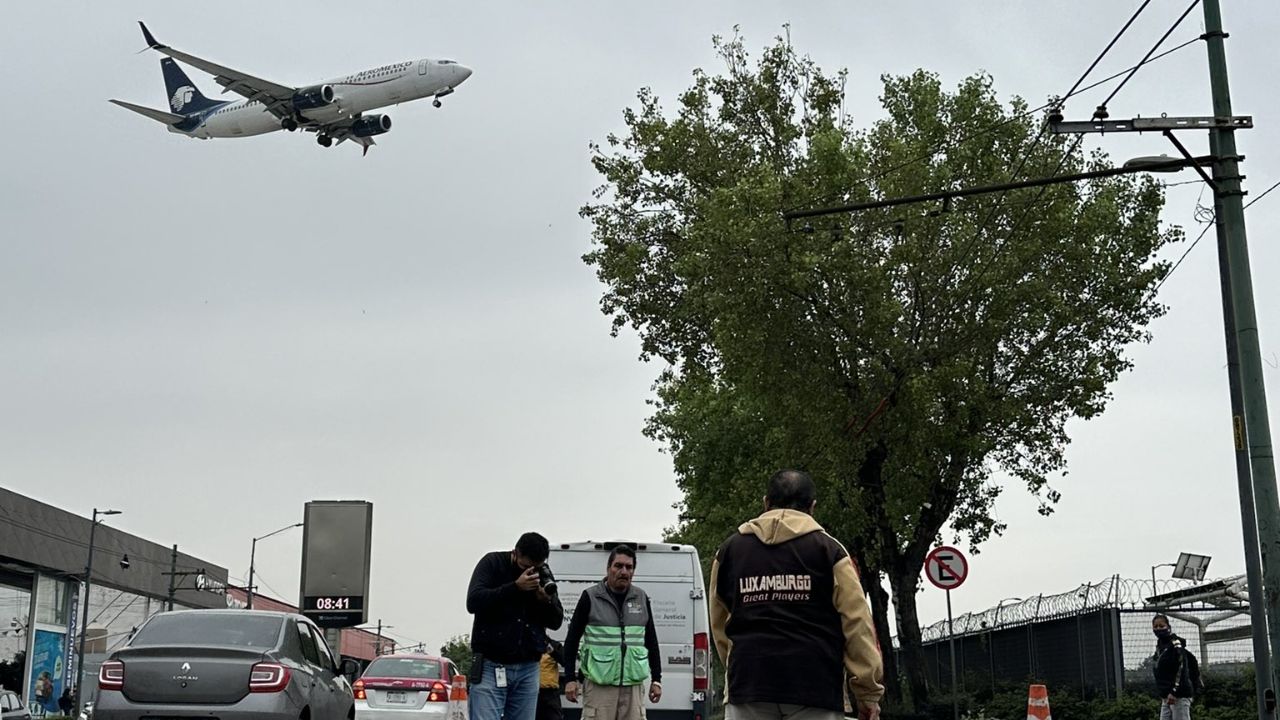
(405, 668)
(224, 629)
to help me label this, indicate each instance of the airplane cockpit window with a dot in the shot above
(448, 62)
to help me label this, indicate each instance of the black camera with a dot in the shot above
(546, 580)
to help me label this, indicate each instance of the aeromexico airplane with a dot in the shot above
(335, 110)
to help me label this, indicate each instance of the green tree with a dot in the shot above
(911, 358)
(458, 649)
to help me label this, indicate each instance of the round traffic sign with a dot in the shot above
(946, 567)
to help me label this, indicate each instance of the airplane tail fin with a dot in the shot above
(184, 98)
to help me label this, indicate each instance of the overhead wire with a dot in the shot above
(1018, 116)
(1159, 42)
(1199, 237)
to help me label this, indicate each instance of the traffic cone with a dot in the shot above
(458, 698)
(1038, 703)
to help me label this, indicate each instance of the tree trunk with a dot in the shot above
(880, 614)
(904, 587)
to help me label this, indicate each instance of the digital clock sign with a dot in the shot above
(334, 611)
(336, 543)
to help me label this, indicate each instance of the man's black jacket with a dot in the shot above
(510, 624)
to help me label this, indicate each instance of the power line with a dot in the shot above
(1155, 47)
(1014, 118)
(1184, 257)
(1107, 49)
(1264, 194)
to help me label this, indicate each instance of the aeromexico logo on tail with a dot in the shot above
(181, 97)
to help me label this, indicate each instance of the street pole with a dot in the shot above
(1256, 430)
(377, 648)
(84, 617)
(951, 642)
(253, 552)
(1244, 477)
(173, 574)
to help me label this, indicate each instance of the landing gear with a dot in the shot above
(289, 124)
(436, 102)
(324, 140)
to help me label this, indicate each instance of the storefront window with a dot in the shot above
(15, 623)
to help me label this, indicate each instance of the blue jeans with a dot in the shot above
(517, 701)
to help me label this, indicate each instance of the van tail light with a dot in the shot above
(701, 661)
(358, 688)
(268, 678)
(111, 675)
(439, 692)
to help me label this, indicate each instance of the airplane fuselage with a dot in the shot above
(353, 94)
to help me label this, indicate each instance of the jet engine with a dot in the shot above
(370, 125)
(313, 97)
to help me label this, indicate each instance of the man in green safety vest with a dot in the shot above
(612, 644)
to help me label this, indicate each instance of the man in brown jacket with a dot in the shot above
(789, 616)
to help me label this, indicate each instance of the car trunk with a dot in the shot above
(196, 675)
(401, 693)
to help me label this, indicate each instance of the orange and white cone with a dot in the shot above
(458, 698)
(1038, 703)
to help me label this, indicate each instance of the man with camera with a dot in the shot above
(613, 635)
(512, 595)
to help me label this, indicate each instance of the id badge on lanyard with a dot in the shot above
(500, 676)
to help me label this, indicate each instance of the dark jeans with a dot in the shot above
(549, 704)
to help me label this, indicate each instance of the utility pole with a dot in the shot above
(1257, 426)
(1244, 475)
(173, 573)
(377, 648)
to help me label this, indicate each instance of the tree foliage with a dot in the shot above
(912, 358)
(458, 649)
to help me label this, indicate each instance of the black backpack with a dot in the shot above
(1193, 672)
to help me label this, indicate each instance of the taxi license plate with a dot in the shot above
(396, 696)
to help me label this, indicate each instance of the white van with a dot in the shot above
(672, 577)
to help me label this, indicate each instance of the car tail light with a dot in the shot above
(358, 688)
(268, 677)
(439, 692)
(111, 675)
(701, 661)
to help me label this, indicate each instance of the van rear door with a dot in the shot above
(668, 579)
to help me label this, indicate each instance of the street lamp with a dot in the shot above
(253, 551)
(84, 618)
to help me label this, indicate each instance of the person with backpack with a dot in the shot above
(1177, 673)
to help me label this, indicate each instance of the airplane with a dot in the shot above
(335, 110)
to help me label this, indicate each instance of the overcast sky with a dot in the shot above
(208, 334)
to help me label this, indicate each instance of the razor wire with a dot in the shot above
(1112, 592)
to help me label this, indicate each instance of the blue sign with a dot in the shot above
(47, 669)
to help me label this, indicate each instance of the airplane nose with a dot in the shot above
(464, 72)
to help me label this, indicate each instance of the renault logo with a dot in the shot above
(186, 667)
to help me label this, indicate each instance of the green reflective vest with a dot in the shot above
(612, 650)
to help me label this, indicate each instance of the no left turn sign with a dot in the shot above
(946, 567)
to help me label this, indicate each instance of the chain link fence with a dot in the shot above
(1095, 639)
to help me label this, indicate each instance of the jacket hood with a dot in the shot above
(778, 526)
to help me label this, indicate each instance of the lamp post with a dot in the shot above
(84, 617)
(253, 552)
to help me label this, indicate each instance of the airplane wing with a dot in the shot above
(277, 98)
